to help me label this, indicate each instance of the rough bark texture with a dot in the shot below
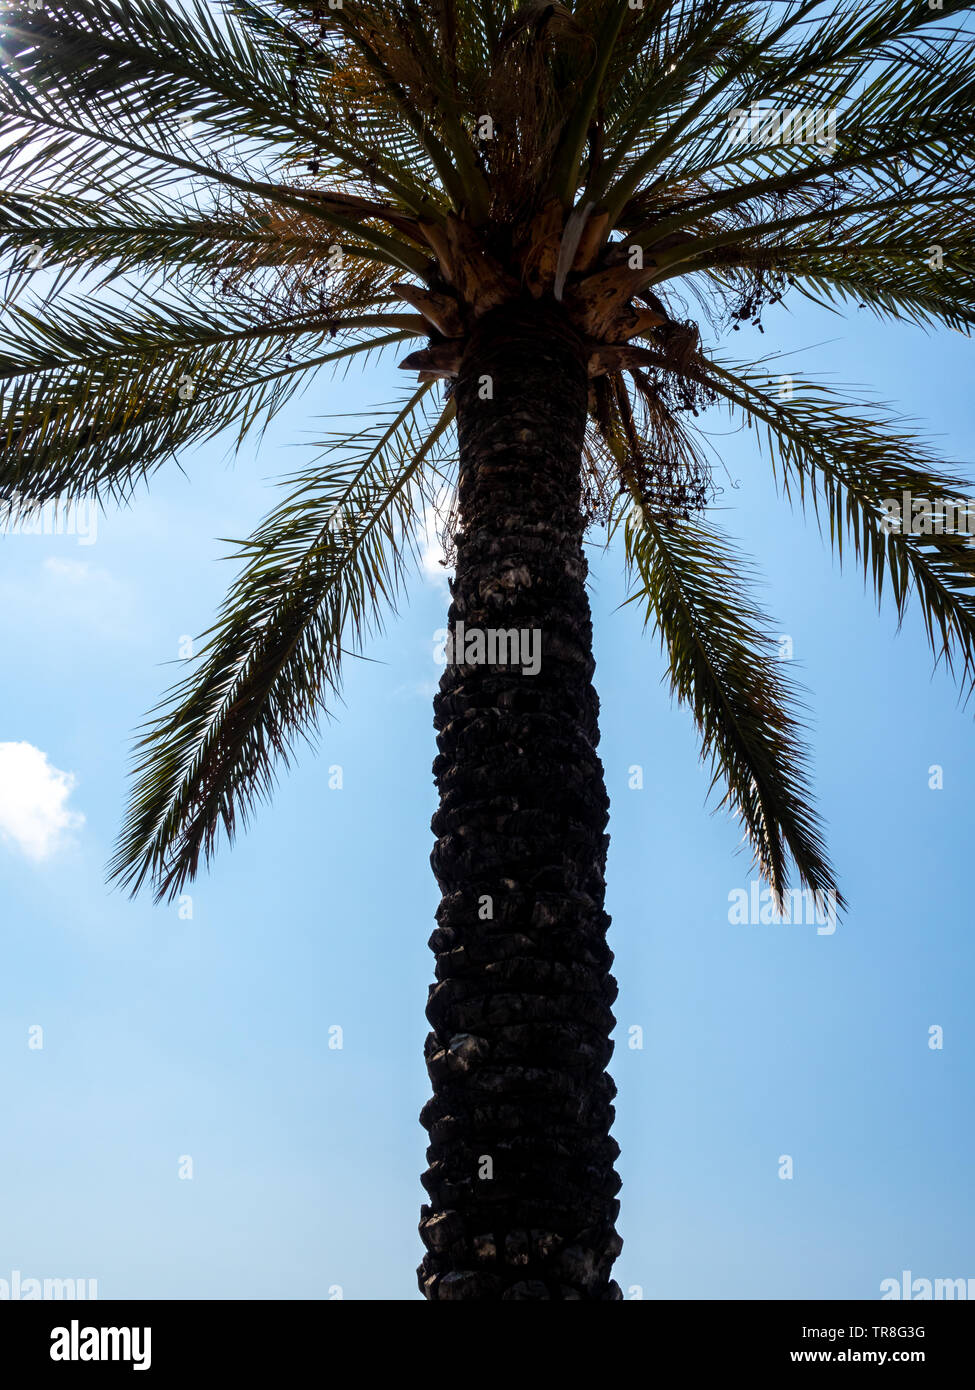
(521, 1181)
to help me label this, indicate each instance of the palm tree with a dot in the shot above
(265, 189)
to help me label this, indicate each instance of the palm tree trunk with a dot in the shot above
(521, 1181)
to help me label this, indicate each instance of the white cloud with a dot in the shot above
(33, 796)
(66, 592)
(431, 547)
(74, 571)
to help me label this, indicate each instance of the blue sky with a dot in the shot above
(208, 1037)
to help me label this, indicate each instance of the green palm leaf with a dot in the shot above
(319, 574)
(98, 396)
(852, 465)
(721, 665)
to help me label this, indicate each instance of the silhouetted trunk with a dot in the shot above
(521, 1181)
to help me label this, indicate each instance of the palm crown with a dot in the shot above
(261, 190)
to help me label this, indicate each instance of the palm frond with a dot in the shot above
(319, 575)
(853, 464)
(97, 396)
(119, 69)
(721, 665)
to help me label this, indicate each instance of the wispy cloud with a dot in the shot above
(74, 571)
(63, 590)
(431, 549)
